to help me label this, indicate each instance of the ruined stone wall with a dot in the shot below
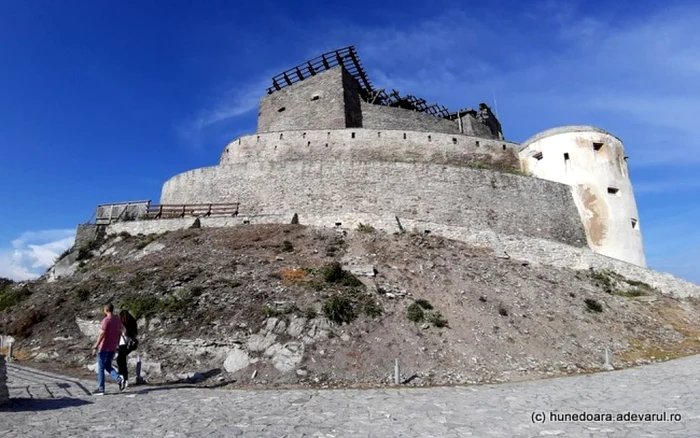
(371, 145)
(316, 103)
(441, 194)
(385, 117)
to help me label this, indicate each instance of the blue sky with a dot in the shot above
(103, 101)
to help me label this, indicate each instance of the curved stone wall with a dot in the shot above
(371, 145)
(593, 163)
(340, 191)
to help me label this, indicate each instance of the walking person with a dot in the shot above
(106, 347)
(127, 344)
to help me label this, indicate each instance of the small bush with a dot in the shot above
(502, 311)
(593, 305)
(82, 293)
(196, 291)
(147, 241)
(365, 228)
(415, 313)
(339, 310)
(23, 326)
(333, 273)
(142, 306)
(309, 313)
(425, 304)
(287, 246)
(438, 320)
(371, 308)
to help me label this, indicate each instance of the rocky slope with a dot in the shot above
(278, 305)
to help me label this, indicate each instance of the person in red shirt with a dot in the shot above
(106, 347)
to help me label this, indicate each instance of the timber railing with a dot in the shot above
(159, 211)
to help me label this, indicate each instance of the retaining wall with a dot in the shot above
(453, 196)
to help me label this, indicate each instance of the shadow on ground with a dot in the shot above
(33, 404)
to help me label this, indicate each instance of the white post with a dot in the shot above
(397, 378)
(459, 117)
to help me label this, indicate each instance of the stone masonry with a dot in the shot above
(4, 394)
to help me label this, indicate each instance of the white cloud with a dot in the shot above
(29, 255)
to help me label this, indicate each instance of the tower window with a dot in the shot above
(614, 191)
(281, 136)
(477, 143)
(566, 156)
(454, 140)
(404, 136)
(430, 137)
(504, 147)
(538, 156)
(635, 224)
(352, 135)
(315, 97)
(281, 109)
(597, 146)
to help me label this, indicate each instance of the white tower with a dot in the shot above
(593, 162)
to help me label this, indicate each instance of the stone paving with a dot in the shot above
(44, 404)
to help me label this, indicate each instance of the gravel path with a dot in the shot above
(45, 404)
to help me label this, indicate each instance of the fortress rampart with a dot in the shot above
(372, 145)
(477, 200)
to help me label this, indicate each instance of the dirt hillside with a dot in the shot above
(279, 305)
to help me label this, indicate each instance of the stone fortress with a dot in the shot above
(335, 151)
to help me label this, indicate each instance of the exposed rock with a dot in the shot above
(89, 328)
(149, 249)
(361, 270)
(296, 326)
(259, 342)
(236, 360)
(286, 357)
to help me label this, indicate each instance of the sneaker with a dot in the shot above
(122, 383)
(126, 383)
(98, 391)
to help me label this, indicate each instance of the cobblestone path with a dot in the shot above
(45, 404)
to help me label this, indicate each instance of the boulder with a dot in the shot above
(236, 360)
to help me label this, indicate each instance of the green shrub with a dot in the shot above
(365, 228)
(333, 273)
(372, 308)
(82, 293)
(414, 313)
(437, 319)
(593, 305)
(339, 310)
(424, 304)
(287, 246)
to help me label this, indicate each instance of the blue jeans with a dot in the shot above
(104, 363)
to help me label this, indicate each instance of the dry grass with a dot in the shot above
(293, 275)
(675, 317)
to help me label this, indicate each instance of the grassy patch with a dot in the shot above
(113, 269)
(148, 306)
(365, 228)
(147, 240)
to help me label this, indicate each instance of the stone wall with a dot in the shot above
(453, 196)
(85, 234)
(371, 145)
(4, 394)
(386, 117)
(315, 103)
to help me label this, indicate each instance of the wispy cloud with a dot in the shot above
(29, 255)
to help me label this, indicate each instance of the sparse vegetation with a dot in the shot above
(593, 305)
(82, 293)
(365, 228)
(372, 308)
(148, 306)
(425, 304)
(437, 319)
(293, 275)
(333, 273)
(22, 327)
(339, 310)
(287, 246)
(147, 240)
(415, 313)
(113, 269)
(9, 295)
